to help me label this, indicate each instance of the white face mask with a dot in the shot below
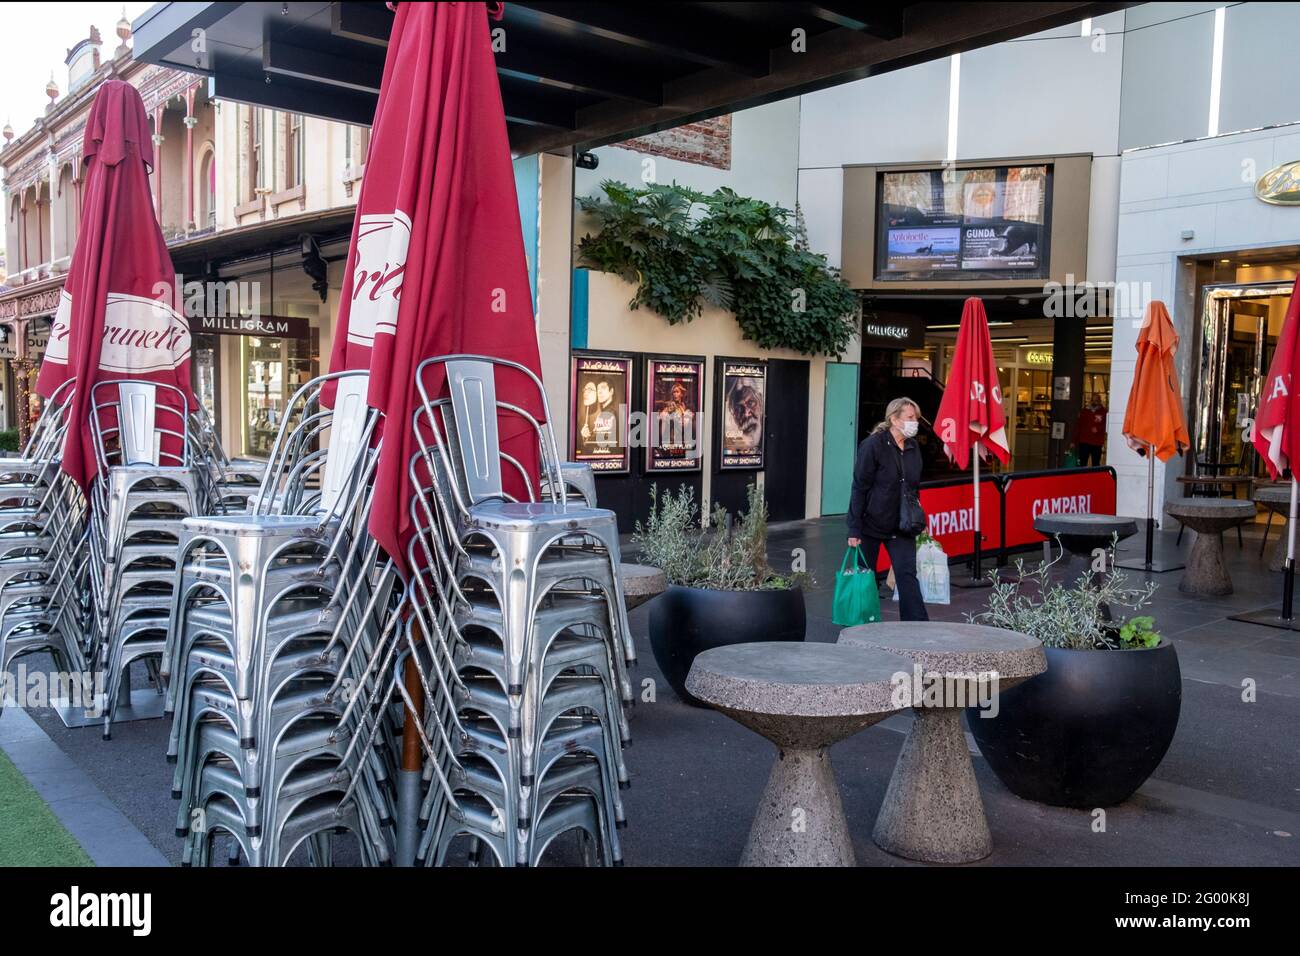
(908, 429)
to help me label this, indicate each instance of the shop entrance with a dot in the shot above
(1240, 324)
(1039, 388)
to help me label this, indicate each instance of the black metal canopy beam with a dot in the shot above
(527, 108)
(555, 67)
(693, 37)
(297, 96)
(365, 22)
(877, 19)
(934, 30)
(284, 59)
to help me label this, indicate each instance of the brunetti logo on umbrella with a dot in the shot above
(57, 348)
(142, 335)
(382, 242)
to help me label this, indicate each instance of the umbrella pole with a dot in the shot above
(975, 568)
(408, 783)
(1288, 582)
(1151, 501)
(975, 580)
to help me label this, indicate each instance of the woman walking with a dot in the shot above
(888, 459)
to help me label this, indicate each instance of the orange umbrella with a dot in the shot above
(1154, 419)
(1154, 423)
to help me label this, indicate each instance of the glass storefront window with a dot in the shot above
(273, 370)
(204, 373)
(273, 366)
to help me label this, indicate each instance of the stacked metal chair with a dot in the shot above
(43, 597)
(229, 483)
(279, 620)
(523, 644)
(147, 483)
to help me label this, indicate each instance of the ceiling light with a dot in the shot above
(957, 325)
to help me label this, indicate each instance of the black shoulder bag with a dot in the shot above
(911, 516)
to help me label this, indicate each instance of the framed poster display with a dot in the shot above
(743, 413)
(675, 414)
(600, 403)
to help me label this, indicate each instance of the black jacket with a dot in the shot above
(873, 506)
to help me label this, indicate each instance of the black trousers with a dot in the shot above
(902, 555)
(1089, 454)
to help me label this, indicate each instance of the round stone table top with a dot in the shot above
(641, 582)
(1080, 524)
(1273, 495)
(799, 679)
(953, 648)
(1211, 514)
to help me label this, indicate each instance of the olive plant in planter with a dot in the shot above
(1091, 729)
(721, 590)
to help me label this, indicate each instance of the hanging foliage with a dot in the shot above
(682, 248)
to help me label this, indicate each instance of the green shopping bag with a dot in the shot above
(857, 601)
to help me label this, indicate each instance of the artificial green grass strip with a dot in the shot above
(30, 833)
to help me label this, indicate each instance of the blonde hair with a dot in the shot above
(894, 409)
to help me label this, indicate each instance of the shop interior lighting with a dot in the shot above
(953, 326)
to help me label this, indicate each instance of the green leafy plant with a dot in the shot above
(648, 237)
(682, 248)
(728, 555)
(1072, 616)
(1139, 632)
(9, 440)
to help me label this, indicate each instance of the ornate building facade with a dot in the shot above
(251, 201)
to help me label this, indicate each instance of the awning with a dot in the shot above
(584, 74)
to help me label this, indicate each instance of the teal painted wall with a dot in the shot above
(839, 436)
(578, 310)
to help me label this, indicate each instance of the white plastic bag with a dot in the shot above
(931, 574)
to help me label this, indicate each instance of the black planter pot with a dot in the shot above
(1087, 732)
(686, 621)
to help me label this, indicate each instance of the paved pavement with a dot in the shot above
(1227, 793)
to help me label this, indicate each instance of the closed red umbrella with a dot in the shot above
(970, 416)
(437, 261)
(436, 267)
(1277, 426)
(116, 318)
(1154, 424)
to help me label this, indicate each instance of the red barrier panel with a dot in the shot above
(1026, 496)
(949, 507)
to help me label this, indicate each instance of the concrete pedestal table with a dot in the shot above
(933, 811)
(1277, 499)
(803, 697)
(641, 582)
(1082, 534)
(1206, 573)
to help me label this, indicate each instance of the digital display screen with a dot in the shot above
(986, 223)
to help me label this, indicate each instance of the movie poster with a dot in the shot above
(675, 401)
(744, 410)
(602, 392)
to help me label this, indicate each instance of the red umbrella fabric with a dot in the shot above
(115, 318)
(971, 408)
(1277, 422)
(437, 261)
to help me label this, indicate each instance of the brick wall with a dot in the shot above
(706, 143)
